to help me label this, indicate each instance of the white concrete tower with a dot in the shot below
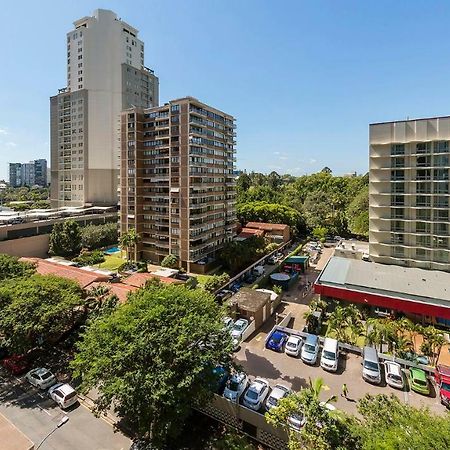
(105, 75)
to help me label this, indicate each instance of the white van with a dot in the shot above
(330, 355)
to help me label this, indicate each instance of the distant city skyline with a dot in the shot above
(303, 79)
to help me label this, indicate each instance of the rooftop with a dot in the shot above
(139, 279)
(418, 285)
(267, 226)
(80, 276)
(250, 299)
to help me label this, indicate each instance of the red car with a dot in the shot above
(16, 364)
(442, 377)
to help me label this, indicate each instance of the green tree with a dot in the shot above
(243, 182)
(152, 357)
(388, 423)
(216, 281)
(96, 236)
(128, 241)
(358, 213)
(11, 267)
(345, 324)
(321, 430)
(37, 309)
(170, 261)
(65, 239)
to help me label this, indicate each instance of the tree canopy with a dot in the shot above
(152, 358)
(36, 309)
(96, 236)
(11, 267)
(65, 239)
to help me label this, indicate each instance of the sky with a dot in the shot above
(303, 78)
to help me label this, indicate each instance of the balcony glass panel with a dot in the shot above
(397, 149)
(423, 147)
(441, 147)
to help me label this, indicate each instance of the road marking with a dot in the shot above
(42, 409)
(102, 417)
(325, 387)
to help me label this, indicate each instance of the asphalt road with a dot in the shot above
(32, 412)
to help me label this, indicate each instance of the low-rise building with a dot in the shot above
(276, 232)
(252, 305)
(423, 295)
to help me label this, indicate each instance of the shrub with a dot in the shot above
(90, 258)
(96, 236)
(170, 261)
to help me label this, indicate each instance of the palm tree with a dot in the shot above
(96, 296)
(316, 387)
(381, 331)
(433, 340)
(336, 323)
(128, 241)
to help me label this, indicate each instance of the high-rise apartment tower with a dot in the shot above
(409, 167)
(28, 174)
(105, 75)
(177, 186)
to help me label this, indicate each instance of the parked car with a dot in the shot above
(221, 376)
(371, 365)
(293, 346)
(250, 278)
(228, 322)
(235, 386)
(41, 378)
(223, 295)
(419, 381)
(258, 270)
(442, 377)
(63, 394)
(278, 392)
(296, 421)
(256, 394)
(272, 260)
(276, 341)
(239, 327)
(16, 364)
(310, 349)
(235, 287)
(394, 374)
(330, 355)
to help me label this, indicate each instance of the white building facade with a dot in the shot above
(409, 195)
(105, 75)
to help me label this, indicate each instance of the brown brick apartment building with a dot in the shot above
(177, 186)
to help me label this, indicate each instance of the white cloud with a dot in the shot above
(312, 161)
(3, 131)
(284, 158)
(276, 153)
(10, 144)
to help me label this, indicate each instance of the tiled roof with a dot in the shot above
(119, 289)
(249, 232)
(267, 226)
(83, 278)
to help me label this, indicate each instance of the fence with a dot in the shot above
(245, 421)
(353, 349)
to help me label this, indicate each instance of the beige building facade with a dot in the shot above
(177, 187)
(105, 75)
(409, 194)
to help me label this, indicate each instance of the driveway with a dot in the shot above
(280, 368)
(33, 413)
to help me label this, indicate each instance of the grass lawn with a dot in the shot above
(112, 262)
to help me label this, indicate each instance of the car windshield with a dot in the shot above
(273, 401)
(252, 395)
(277, 338)
(371, 366)
(420, 382)
(239, 326)
(329, 355)
(310, 348)
(233, 385)
(395, 377)
(291, 344)
(71, 395)
(46, 375)
(445, 386)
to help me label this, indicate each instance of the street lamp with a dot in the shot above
(64, 420)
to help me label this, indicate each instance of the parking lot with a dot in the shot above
(36, 415)
(257, 361)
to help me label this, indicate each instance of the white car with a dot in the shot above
(238, 328)
(278, 392)
(256, 394)
(63, 394)
(296, 421)
(293, 346)
(41, 378)
(235, 386)
(228, 322)
(394, 375)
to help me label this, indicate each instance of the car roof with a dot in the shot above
(443, 370)
(279, 333)
(294, 338)
(241, 321)
(311, 339)
(393, 367)
(238, 376)
(258, 384)
(40, 371)
(66, 389)
(279, 391)
(418, 373)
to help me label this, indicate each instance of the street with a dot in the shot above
(32, 412)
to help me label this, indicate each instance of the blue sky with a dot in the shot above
(304, 79)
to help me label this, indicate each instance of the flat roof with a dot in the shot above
(419, 285)
(409, 120)
(267, 226)
(250, 299)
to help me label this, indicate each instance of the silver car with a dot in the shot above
(256, 394)
(235, 386)
(278, 392)
(41, 378)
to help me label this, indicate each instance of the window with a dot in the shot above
(423, 241)
(423, 227)
(441, 174)
(423, 147)
(398, 162)
(397, 149)
(175, 108)
(421, 200)
(441, 160)
(397, 200)
(441, 147)
(80, 56)
(423, 161)
(397, 175)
